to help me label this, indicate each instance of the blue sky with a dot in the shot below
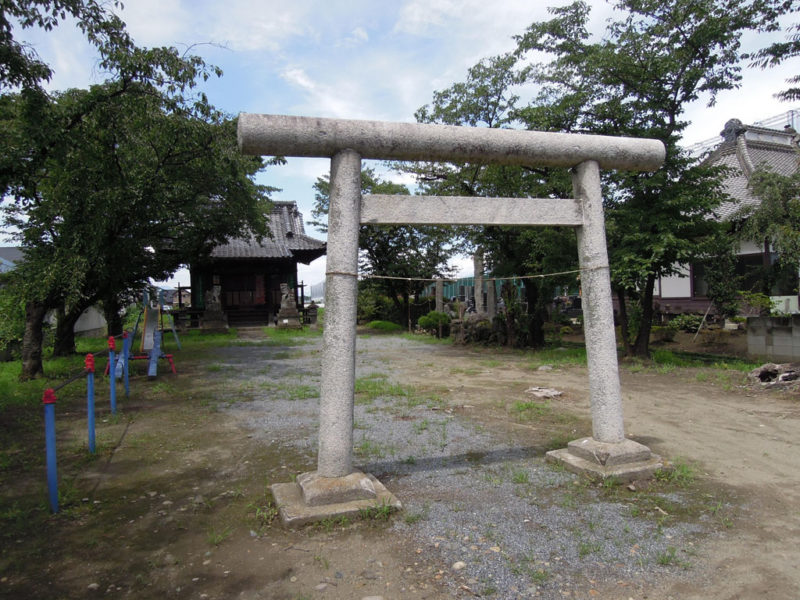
(357, 59)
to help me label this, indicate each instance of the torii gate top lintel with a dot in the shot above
(317, 137)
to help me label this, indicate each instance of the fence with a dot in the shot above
(49, 401)
(775, 338)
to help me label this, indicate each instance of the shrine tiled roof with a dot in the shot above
(287, 239)
(745, 149)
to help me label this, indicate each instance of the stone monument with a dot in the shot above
(214, 319)
(288, 316)
(336, 488)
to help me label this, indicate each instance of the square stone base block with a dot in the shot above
(625, 461)
(313, 498)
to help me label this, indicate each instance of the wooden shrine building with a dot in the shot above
(250, 273)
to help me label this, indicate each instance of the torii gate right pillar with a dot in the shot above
(608, 453)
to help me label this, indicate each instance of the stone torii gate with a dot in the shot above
(335, 488)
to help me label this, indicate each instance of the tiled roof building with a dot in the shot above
(744, 149)
(249, 272)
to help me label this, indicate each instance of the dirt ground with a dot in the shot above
(176, 505)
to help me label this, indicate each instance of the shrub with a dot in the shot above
(663, 334)
(385, 326)
(435, 323)
(687, 322)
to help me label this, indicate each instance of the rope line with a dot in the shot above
(514, 277)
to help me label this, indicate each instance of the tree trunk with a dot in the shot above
(641, 347)
(64, 343)
(111, 309)
(32, 340)
(623, 321)
(535, 315)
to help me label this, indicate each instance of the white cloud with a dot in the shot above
(356, 38)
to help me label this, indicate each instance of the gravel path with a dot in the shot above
(496, 519)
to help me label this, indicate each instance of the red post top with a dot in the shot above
(49, 396)
(124, 335)
(89, 362)
(112, 344)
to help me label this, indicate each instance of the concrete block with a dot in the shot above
(625, 461)
(317, 490)
(294, 511)
(623, 472)
(602, 453)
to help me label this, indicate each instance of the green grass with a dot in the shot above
(520, 476)
(564, 356)
(680, 473)
(376, 386)
(379, 512)
(427, 339)
(216, 536)
(527, 411)
(691, 360)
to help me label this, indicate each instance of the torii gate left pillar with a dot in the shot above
(335, 488)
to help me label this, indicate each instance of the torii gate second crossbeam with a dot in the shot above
(335, 488)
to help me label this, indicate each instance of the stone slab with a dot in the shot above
(631, 471)
(457, 210)
(609, 454)
(317, 490)
(294, 511)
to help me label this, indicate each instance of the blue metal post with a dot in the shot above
(112, 380)
(49, 401)
(126, 351)
(90, 400)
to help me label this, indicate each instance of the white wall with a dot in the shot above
(676, 286)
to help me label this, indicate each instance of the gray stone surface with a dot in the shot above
(309, 136)
(440, 295)
(598, 313)
(623, 473)
(339, 337)
(491, 299)
(317, 490)
(774, 338)
(457, 210)
(626, 451)
(288, 316)
(477, 266)
(214, 319)
(294, 510)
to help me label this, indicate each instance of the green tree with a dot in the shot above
(775, 221)
(654, 61)
(487, 98)
(396, 254)
(779, 52)
(20, 66)
(118, 183)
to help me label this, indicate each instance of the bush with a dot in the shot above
(385, 326)
(375, 306)
(664, 333)
(686, 322)
(435, 323)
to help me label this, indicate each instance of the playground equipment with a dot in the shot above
(150, 343)
(152, 328)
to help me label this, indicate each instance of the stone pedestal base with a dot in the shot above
(625, 461)
(289, 322)
(214, 321)
(314, 498)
